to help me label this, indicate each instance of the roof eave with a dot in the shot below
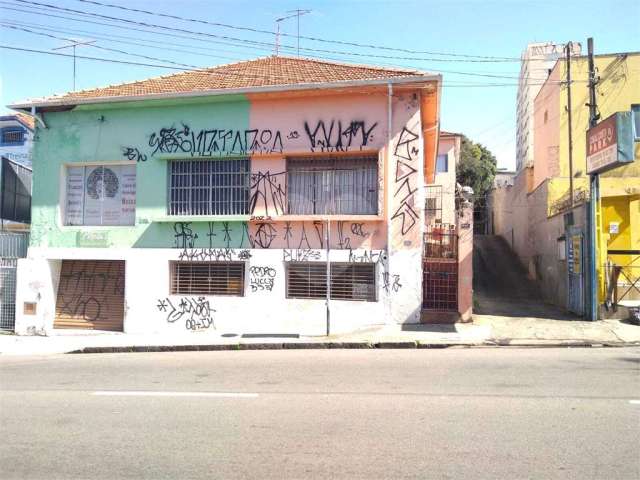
(27, 105)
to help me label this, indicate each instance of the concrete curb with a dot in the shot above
(356, 345)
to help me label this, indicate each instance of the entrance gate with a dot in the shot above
(575, 270)
(12, 246)
(440, 269)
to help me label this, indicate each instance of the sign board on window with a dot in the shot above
(101, 195)
(610, 143)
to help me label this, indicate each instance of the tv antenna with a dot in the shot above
(298, 12)
(74, 44)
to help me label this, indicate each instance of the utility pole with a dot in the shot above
(74, 44)
(568, 63)
(594, 184)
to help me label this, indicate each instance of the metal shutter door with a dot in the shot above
(91, 295)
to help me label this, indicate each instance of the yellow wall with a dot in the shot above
(617, 90)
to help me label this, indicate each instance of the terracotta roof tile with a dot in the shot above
(27, 120)
(261, 72)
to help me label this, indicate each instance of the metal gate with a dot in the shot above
(575, 270)
(440, 268)
(12, 247)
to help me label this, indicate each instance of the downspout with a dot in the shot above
(387, 173)
(38, 117)
(388, 196)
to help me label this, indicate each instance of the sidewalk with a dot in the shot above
(487, 330)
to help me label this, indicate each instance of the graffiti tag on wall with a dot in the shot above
(196, 312)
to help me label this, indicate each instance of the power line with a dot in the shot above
(200, 70)
(464, 73)
(113, 38)
(242, 40)
(315, 39)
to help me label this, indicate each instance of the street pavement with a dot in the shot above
(483, 413)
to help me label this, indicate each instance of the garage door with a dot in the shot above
(91, 295)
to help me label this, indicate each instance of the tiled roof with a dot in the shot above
(27, 120)
(261, 72)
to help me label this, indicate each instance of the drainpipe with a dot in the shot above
(387, 187)
(328, 240)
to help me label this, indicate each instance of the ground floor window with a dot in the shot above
(207, 278)
(348, 281)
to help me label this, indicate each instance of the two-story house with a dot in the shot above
(273, 195)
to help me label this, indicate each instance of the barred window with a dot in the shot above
(207, 278)
(349, 281)
(333, 186)
(12, 136)
(209, 187)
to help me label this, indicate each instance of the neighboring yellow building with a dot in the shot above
(618, 89)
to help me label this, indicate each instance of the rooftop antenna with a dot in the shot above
(74, 44)
(293, 13)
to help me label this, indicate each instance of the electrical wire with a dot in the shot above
(303, 37)
(464, 73)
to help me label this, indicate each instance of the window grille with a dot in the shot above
(441, 241)
(349, 281)
(333, 186)
(433, 204)
(207, 278)
(13, 137)
(209, 187)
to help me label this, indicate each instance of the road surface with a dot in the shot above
(458, 413)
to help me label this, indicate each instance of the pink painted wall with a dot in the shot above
(546, 140)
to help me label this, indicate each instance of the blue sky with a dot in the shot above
(471, 27)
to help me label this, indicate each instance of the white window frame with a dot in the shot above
(64, 213)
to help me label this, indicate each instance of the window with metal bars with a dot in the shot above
(209, 187)
(207, 278)
(333, 185)
(12, 136)
(349, 281)
(433, 203)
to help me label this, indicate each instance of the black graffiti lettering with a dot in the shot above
(343, 242)
(213, 255)
(196, 312)
(336, 138)
(266, 191)
(227, 233)
(405, 151)
(300, 255)
(206, 142)
(80, 305)
(262, 278)
(293, 135)
(287, 233)
(358, 230)
(391, 283)
(184, 236)
(265, 234)
(304, 239)
(319, 226)
(403, 147)
(367, 256)
(131, 153)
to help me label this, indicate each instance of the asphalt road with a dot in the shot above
(457, 413)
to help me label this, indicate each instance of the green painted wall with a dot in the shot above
(100, 134)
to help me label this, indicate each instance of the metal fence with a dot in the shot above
(440, 268)
(12, 247)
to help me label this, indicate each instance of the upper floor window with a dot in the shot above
(101, 195)
(442, 164)
(209, 187)
(12, 136)
(635, 112)
(333, 186)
